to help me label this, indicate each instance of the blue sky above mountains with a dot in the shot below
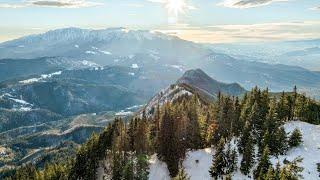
(197, 20)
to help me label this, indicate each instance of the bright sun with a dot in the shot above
(176, 6)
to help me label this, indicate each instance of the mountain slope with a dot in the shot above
(41, 111)
(201, 81)
(194, 82)
(72, 92)
(197, 163)
(21, 68)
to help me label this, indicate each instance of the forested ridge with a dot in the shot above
(250, 127)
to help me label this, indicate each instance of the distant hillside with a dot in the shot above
(202, 82)
(21, 68)
(194, 82)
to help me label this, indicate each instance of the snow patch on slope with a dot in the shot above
(179, 67)
(106, 52)
(167, 95)
(158, 170)
(42, 77)
(134, 66)
(18, 104)
(309, 150)
(197, 163)
(90, 52)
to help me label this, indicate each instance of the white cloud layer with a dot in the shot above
(317, 8)
(14, 6)
(248, 33)
(187, 6)
(52, 3)
(242, 4)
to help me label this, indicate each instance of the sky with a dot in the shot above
(205, 21)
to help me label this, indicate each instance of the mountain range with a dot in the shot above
(158, 56)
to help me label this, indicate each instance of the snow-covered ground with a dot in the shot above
(197, 163)
(42, 77)
(158, 169)
(124, 113)
(309, 150)
(134, 66)
(106, 52)
(90, 52)
(18, 103)
(168, 94)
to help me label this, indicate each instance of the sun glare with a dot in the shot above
(176, 6)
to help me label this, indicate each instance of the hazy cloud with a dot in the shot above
(247, 3)
(135, 5)
(52, 3)
(188, 6)
(14, 6)
(248, 32)
(65, 3)
(157, 1)
(315, 8)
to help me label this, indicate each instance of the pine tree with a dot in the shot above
(282, 108)
(128, 170)
(228, 177)
(211, 133)
(265, 143)
(142, 167)
(272, 123)
(270, 174)
(236, 123)
(290, 107)
(301, 107)
(295, 139)
(87, 158)
(281, 143)
(248, 156)
(277, 171)
(132, 128)
(231, 159)
(193, 128)
(167, 142)
(219, 163)
(141, 138)
(263, 165)
(117, 165)
(226, 118)
(244, 137)
(182, 175)
(292, 170)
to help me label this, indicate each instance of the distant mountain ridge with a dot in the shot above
(86, 43)
(159, 56)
